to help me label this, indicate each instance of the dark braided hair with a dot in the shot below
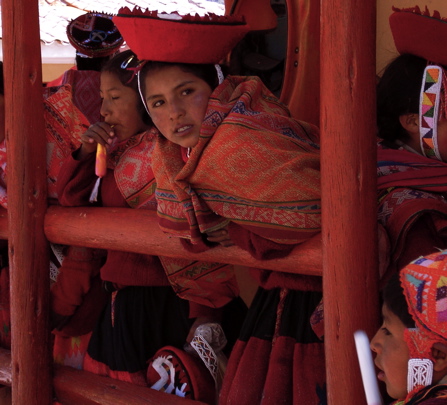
(398, 93)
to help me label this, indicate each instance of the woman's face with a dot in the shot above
(120, 107)
(177, 103)
(392, 354)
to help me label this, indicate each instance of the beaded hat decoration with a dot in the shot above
(418, 33)
(424, 282)
(180, 39)
(94, 35)
(431, 109)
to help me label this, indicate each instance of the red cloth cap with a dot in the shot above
(420, 33)
(94, 35)
(186, 39)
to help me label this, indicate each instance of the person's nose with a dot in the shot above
(105, 110)
(375, 343)
(176, 110)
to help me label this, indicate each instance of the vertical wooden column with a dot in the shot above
(301, 86)
(27, 202)
(348, 166)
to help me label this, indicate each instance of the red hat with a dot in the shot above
(420, 33)
(174, 371)
(94, 35)
(180, 39)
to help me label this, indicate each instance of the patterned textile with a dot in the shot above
(433, 395)
(128, 161)
(409, 187)
(207, 283)
(424, 283)
(430, 102)
(264, 165)
(85, 86)
(70, 350)
(64, 125)
(425, 286)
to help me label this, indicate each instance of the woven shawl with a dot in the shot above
(253, 164)
(207, 283)
(409, 186)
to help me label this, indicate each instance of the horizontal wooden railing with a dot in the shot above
(76, 387)
(138, 231)
(135, 231)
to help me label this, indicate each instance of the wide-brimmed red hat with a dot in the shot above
(180, 39)
(94, 35)
(420, 33)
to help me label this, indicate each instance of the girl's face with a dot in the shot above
(120, 107)
(177, 103)
(392, 354)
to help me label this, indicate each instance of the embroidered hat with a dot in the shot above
(182, 39)
(94, 35)
(424, 282)
(420, 33)
(174, 371)
(425, 287)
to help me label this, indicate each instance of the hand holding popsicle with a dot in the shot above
(100, 133)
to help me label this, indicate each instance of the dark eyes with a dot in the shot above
(385, 331)
(157, 104)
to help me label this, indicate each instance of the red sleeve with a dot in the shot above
(78, 268)
(76, 181)
(259, 247)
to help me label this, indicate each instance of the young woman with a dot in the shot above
(233, 167)
(143, 312)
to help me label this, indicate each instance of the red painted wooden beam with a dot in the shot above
(138, 231)
(348, 167)
(76, 387)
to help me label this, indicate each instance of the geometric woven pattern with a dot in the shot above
(425, 287)
(429, 110)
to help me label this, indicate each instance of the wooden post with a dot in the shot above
(348, 162)
(27, 202)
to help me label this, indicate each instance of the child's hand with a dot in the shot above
(220, 236)
(101, 132)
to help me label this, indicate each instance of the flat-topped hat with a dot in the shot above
(181, 39)
(419, 33)
(94, 35)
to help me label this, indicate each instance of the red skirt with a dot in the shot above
(278, 359)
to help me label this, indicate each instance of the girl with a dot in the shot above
(143, 312)
(411, 344)
(233, 167)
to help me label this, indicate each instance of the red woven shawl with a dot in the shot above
(253, 164)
